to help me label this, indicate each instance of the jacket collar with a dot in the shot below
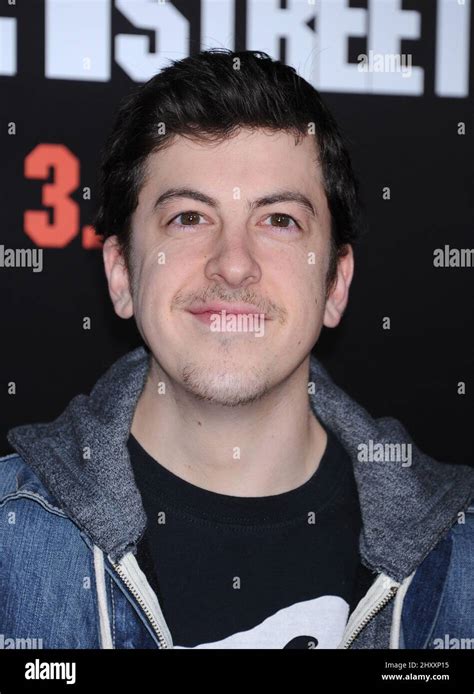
(82, 460)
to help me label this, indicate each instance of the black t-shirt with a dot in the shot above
(252, 572)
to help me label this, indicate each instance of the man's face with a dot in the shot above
(228, 249)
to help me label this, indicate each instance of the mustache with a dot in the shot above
(208, 295)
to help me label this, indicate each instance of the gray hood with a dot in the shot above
(82, 459)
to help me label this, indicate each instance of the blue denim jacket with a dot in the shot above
(70, 575)
(49, 577)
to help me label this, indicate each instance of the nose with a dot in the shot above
(233, 262)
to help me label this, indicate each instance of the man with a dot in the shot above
(217, 489)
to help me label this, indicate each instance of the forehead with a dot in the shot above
(251, 160)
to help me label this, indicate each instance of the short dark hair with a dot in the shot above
(211, 95)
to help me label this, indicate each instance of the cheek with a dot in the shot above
(160, 286)
(308, 298)
(152, 292)
(309, 281)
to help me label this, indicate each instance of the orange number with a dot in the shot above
(65, 224)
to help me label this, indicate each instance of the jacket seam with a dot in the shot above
(9, 456)
(31, 496)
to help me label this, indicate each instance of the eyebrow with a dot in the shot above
(279, 196)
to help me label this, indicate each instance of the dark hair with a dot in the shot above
(209, 96)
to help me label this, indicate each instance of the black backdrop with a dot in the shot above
(406, 142)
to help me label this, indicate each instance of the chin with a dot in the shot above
(230, 388)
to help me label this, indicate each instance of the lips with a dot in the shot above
(236, 309)
(205, 316)
(206, 312)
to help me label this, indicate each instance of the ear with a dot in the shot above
(117, 277)
(339, 292)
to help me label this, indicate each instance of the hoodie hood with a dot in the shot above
(82, 459)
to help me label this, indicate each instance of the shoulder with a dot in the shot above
(9, 467)
(31, 519)
(455, 617)
(46, 568)
(461, 567)
(18, 481)
(458, 544)
(34, 530)
(438, 610)
(464, 527)
(461, 537)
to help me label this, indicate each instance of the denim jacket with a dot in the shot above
(71, 518)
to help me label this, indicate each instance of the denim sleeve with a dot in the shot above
(454, 627)
(47, 583)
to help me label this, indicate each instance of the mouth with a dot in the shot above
(204, 317)
(207, 317)
(235, 318)
(220, 311)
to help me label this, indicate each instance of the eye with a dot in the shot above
(188, 219)
(282, 221)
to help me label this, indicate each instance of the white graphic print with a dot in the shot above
(317, 623)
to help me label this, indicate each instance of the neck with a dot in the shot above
(264, 448)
